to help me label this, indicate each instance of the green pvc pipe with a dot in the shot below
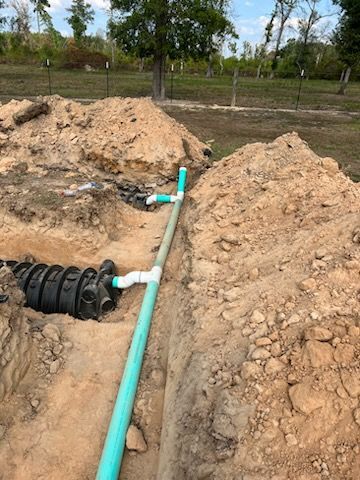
(112, 454)
(182, 179)
(163, 198)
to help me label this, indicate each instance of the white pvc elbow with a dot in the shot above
(132, 278)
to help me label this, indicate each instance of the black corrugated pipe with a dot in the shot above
(82, 294)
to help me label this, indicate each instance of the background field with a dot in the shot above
(335, 135)
(23, 80)
(328, 133)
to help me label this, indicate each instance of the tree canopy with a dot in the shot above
(81, 14)
(162, 28)
(347, 36)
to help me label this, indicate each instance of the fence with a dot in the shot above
(28, 81)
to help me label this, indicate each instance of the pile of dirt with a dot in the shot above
(130, 138)
(264, 363)
(15, 341)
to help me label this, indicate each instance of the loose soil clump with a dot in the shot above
(265, 359)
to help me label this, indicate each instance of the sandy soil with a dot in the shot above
(252, 366)
(265, 377)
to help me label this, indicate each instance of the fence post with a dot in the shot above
(299, 92)
(234, 86)
(107, 66)
(172, 83)
(49, 76)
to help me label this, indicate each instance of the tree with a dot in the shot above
(347, 38)
(178, 29)
(2, 18)
(81, 15)
(263, 47)
(307, 32)
(42, 16)
(283, 11)
(20, 23)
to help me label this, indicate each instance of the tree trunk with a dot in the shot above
(342, 76)
(159, 77)
(141, 64)
(38, 20)
(258, 72)
(234, 87)
(210, 70)
(277, 48)
(345, 81)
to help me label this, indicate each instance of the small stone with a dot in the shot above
(356, 414)
(57, 349)
(35, 403)
(250, 370)
(354, 331)
(2, 431)
(330, 165)
(273, 365)
(351, 383)
(135, 440)
(304, 399)
(232, 239)
(320, 253)
(51, 332)
(275, 349)
(225, 246)
(291, 440)
(344, 353)
(317, 354)
(318, 333)
(295, 318)
(223, 257)
(330, 202)
(254, 274)
(257, 317)
(263, 341)
(158, 377)
(260, 354)
(308, 284)
(54, 366)
(233, 294)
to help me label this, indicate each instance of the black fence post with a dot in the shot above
(107, 66)
(172, 83)
(300, 85)
(49, 76)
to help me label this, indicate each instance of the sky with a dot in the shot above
(249, 16)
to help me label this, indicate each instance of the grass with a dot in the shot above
(24, 80)
(334, 135)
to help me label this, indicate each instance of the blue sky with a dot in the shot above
(249, 17)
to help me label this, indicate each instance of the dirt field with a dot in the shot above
(252, 366)
(328, 134)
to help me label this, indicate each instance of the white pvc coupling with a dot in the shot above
(153, 199)
(132, 278)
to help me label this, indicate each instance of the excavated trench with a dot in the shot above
(252, 365)
(131, 241)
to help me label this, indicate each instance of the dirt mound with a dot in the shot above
(265, 361)
(15, 344)
(131, 138)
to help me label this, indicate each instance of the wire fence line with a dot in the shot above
(18, 81)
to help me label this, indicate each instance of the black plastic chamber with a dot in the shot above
(83, 294)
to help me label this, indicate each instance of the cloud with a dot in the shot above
(60, 5)
(249, 4)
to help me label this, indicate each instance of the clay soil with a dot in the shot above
(252, 365)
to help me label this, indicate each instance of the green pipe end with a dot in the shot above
(182, 179)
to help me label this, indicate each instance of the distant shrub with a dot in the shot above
(75, 57)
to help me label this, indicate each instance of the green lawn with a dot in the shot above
(19, 80)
